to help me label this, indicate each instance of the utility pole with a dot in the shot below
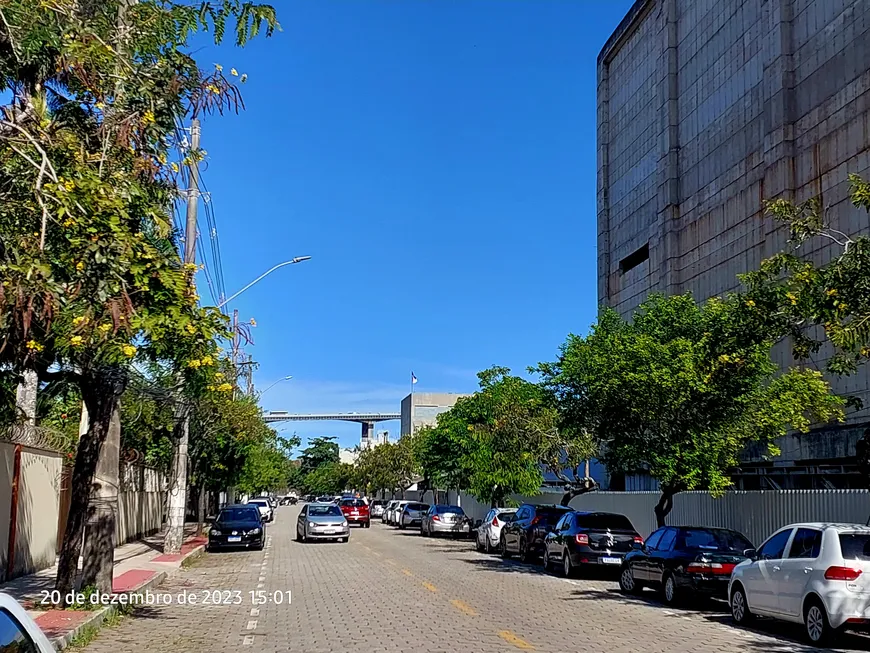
(178, 483)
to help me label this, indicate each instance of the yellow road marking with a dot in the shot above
(407, 573)
(510, 638)
(430, 587)
(462, 606)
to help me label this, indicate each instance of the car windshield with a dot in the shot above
(456, 510)
(324, 511)
(604, 521)
(353, 503)
(712, 539)
(417, 506)
(238, 514)
(855, 546)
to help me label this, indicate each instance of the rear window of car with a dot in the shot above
(323, 511)
(239, 514)
(855, 546)
(417, 506)
(550, 513)
(454, 509)
(712, 539)
(258, 502)
(353, 503)
(604, 521)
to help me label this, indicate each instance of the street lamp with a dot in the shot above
(295, 259)
(286, 378)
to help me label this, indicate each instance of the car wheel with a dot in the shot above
(740, 607)
(567, 567)
(547, 561)
(670, 591)
(504, 550)
(367, 524)
(818, 628)
(259, 547)
(627, 582)
(525, 556)
(477, 545)
(487, 545)
(402, 525)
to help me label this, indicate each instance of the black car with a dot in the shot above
(525, 534)
(589, 538)
(237, 526)
(683, 560)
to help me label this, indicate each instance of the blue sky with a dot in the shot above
(437, 161)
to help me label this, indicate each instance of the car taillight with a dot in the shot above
(495, 521)
(436, 518)
(582, 538)
(535, 521)
(716, 568)
(841, 573)
(638, 539)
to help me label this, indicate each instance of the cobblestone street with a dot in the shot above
(390, 591)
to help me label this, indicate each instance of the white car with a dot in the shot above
(489, 531)
(815, 574)
(18, 631)
(396, 512)
(385, 517)
(265, 508)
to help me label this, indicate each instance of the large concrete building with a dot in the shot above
(422, 409)
(705, 108)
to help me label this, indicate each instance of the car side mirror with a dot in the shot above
(637, 545)
(752, 554)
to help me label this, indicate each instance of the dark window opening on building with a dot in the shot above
(634, 259)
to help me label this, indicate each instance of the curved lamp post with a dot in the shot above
(295, 259)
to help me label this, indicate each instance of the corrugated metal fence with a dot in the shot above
(755, 514)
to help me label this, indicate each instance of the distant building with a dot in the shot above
(706, 108)
(422, 409)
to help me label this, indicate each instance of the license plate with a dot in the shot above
(328, 530)
(610, 561)
(234, 539)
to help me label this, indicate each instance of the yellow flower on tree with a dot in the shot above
(225, 387)
(190, 329)
(78, 321)
(76, 341)
(148, 117)
(129, 351)
(750, 303)
(195, 363)
(253, 322)
(80, 266)
(32, 345)
(234, 72)
(207, 360)
(792, 297)
(218, 375)
(174, 166)
(831, 292)
(105, 327)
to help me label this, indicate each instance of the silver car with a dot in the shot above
(489, 531)
(387, 509)
(377, 508)
(321, 521)
(396, 511)
(445, 519)
(412, 514)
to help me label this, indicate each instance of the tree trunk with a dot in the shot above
(101, 390)
(665, 504)
(25, 396)
(98, 555)
(177, 507)
(200, 510)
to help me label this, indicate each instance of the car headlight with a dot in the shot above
(344, 524)
(254, 531)
(311, 524)
(214, 531)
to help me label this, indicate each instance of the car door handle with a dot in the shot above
(776, 568)
(807, 570)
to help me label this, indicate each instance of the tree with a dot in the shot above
(319, 451)
(680, 390)
(91, 277)
(329, 478)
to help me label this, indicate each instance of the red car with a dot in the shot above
(356, 511)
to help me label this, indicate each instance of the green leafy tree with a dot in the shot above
(329, 478)
(319, 451)
(680, 390)
(91, 278)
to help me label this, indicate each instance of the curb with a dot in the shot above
(99, 616)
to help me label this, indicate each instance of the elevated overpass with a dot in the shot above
(368, 420)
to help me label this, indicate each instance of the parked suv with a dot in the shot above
(412, 514)
(489, 531)
(685, 560)
(815, 574)
(524, 535)
(589, 538)
(356, 511)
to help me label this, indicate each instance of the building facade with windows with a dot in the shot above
(705, 109)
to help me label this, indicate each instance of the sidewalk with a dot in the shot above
(139, 566)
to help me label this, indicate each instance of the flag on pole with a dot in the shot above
(413, 379)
